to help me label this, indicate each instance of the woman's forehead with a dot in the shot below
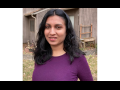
(55, 20)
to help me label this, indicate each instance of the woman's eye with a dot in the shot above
(47, 27)
(58, 27)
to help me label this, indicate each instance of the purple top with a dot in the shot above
(59, 69)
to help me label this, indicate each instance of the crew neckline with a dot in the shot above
(59, 56)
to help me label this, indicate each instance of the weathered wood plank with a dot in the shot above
(86, 32)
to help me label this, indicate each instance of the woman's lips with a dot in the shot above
(52, 38)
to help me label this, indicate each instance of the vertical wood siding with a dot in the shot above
(86, 17)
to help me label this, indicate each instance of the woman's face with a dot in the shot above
(55, 30)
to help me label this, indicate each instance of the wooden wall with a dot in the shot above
(25, 29)
(86, 17)
(27, 34)
(75, 13)
(28, 11)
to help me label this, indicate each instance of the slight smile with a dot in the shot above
(52, 38)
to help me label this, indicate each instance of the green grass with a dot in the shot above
(28, 67)
(92, 61)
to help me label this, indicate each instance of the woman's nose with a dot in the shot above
(52, 31)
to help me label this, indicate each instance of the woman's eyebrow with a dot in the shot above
(47, 24)
(55, 24)
(58, 24)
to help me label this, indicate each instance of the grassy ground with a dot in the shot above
(28, 67)
(92, 61)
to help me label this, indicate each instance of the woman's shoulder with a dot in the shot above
(81, 56)
(80, 59)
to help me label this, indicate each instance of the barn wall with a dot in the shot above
(25, 29)
(86, 17)
(27, 11)
(75, 13)
(31, 33)
(27, 35)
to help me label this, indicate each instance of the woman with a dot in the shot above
(57, 55)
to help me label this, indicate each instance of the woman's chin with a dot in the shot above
(53, 44)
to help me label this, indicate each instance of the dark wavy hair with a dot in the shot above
(43, 51)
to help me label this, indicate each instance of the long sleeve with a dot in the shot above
(83, 70)
(60, 69)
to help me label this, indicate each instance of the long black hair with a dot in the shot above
(43, 51)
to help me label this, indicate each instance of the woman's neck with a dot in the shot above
(57, 50)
